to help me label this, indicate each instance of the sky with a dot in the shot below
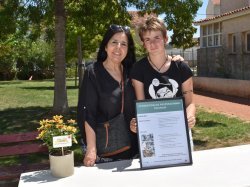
(201, 14)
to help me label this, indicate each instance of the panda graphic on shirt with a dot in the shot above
(166, 89)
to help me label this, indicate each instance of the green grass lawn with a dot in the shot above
(24, 103)
(214, 130)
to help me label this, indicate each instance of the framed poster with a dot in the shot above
(163, 133)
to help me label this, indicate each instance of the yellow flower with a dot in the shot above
(71, 121)
(51, 121)
(74, 130)
(48, 125)
(42, 122)
(42, 133)
(59, 126)
(69, 128)
(56, 117)
(56, 127)
(64, 127)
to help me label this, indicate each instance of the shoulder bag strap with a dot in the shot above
(122, 84)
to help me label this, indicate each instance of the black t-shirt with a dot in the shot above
(161, 85)
(100, 98)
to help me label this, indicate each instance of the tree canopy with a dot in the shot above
(32, 19)
(26, 25)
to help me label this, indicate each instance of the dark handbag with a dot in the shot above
(112, 137)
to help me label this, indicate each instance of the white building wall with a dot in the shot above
(209, 10)
(229, 5)
(236, 26)
(212, 9)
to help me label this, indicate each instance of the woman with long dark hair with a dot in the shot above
(101, 92)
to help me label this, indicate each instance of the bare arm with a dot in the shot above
(139, 92)
(187, 90)
(90, 156)
(139, 89)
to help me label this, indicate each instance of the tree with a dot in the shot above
(34, 19)
(90, 19)
(177, 14)
(60, 92)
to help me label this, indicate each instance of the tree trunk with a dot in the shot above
(60, 105)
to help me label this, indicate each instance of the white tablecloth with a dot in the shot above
(224, 167)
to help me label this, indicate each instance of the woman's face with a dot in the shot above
(117, 47)
(154, 41)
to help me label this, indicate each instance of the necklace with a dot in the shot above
(158, 69)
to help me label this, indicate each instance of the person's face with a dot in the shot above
(153, 41)
(117, 47)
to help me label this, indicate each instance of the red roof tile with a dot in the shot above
(223, 15)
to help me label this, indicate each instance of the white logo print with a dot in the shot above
(163, 90)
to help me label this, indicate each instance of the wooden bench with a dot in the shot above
(21, 145)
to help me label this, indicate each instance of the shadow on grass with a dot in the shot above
(10, 82)
(18, 120)
(200, 143)
(208, 124)
(47, 88)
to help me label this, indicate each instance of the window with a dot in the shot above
(232, 43)
(248, 42)
(216, 40)
(216, 28)
(210, 29)
(211, 35)
(204, 42)
(204, 30)
(210, 40)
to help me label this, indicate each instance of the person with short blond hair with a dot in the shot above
(157, 75)
(152, 24)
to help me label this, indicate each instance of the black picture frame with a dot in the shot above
(167, 143)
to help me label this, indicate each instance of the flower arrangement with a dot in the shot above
(56, 127)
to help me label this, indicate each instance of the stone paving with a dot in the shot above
(235, 107)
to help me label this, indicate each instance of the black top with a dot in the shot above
(161, 85)
(100, 98)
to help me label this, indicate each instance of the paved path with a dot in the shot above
(235, 107)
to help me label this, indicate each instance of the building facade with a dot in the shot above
(225, 40)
